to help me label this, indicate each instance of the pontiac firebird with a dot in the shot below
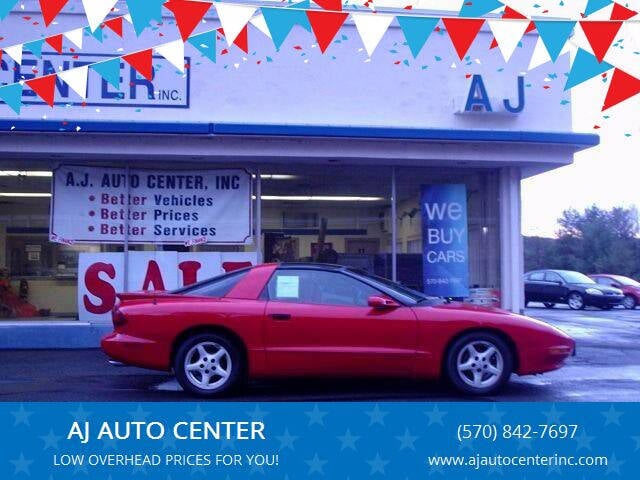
(286, 320)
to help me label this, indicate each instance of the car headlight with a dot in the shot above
(593, 291)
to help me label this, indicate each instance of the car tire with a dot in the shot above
(629, 302)
(208, 365)
(461, 363)
(575, 300)
(549, 305)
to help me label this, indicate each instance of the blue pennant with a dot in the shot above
(35, 47)
(478, 8)
(281, 20)
(205, 43)
(585, 66)
(109, 70)
(97, 34)
(6, 6)
(595, 5)
(143, 11)
(416, 31)
(12, 95)
(554, 35)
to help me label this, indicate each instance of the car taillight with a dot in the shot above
(118, 318)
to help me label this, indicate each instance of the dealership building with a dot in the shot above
(311, 157)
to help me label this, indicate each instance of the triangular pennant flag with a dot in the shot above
(143, 11)
(97, 33)
(50, 9)
(45, 87)
(462, 32)
(585, 66)
(600, 35)
(622, 13)
(12, 95)
(371, 28)
(35, 47)
(142, 62)
(6, 6)
(554, 34)
(325, 26)
(97, 10)
(512, 14)
(595, 5)
(15, 52)
(75, 36)
(416, 31)
(478, 8)
(188, 14)
(55, 41)
(242, 40)
(261, 24)
(622, 87)
(333, 5)
(233, 18)
(115, 25)
(508, 34)
(280, 22)
(540, 55)
(109, 70)
(173, 52)
(205, 43)
(76, 78)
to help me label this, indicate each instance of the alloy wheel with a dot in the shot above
(480, 364)
(575, 301)
(629, 302)
(208, 365)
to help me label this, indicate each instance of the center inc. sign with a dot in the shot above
(168, 88)
(104, 205)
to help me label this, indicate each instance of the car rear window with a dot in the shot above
(216, 287)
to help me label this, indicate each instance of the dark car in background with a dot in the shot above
(630, 287)
(575, 289)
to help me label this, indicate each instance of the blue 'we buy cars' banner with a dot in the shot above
(445, 255)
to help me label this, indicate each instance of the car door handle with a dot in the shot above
(280, 316)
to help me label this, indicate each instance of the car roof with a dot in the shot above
(311, 265)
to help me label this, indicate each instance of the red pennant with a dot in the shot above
(45, 87)
(622, 87)
(115, 24)
(142, 62)
(241, 41)
(622, 13)
(50, 9)
(335, 5)
(325, 26)
(600, 35)
(512, 14)
(188, 14)
(462, 32)
(55, 41)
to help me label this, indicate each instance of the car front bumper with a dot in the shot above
(603, 300)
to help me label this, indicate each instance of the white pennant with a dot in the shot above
(541, 55)
(371, 28)
(173, 52)
(76, 78)
(261, 24)
(233, 18)
(75, 36)
(97, 10)
(508, 34)
(15, 52)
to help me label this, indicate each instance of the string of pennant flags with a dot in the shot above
(276, 22)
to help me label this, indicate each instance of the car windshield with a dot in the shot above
(412, 294)
(630, 282)
(575, 277)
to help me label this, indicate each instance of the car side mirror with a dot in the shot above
(382, 303)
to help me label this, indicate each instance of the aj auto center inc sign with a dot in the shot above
(104, 205)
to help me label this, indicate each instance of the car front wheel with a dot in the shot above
(575, 301)
(479, 363)
(629, 302)
(208, 364)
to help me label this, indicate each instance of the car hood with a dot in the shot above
(602, 288)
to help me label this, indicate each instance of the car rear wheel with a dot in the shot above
(549, 305)
(208, 364)
(629, 302)
(479, 363)
(575, 301)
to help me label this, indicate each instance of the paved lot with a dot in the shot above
(607, 368)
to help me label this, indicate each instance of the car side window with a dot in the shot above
(536, 276)
(318, 287)
(552, 277)
(604, 281)
(217, 288)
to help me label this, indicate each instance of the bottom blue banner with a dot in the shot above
(52, 441)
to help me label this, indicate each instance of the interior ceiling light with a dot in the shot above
(25, 194)
(17, 173)
(321, 198)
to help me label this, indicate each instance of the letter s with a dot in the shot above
(100, 288)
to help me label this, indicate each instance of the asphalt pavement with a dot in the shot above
(606, 368)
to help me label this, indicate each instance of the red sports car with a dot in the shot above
(324, 320)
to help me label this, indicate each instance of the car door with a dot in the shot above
(555, 289)
(319, 322)
(534, 287)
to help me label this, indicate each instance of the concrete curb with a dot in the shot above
(59, 334)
